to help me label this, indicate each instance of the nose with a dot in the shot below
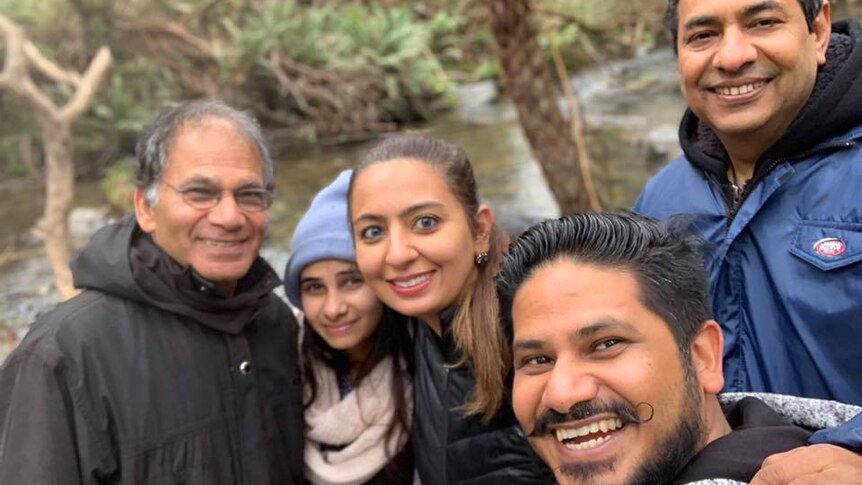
(400, 251)
(735, 51)
(568, 385)
(334, 306)
(227, 214)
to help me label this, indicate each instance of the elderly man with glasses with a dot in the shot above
(176, 364)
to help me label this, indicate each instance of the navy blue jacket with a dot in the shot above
(786, 262)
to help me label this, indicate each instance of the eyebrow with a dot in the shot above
(346, 272)
(748, 11)
(412, 209)
(200, 181)
(604, 324)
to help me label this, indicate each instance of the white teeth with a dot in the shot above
(220, 244)
(739, 90)
(604, 426)
(588, 444)
(411, 282)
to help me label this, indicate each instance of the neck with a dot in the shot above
(225, 289)
(716, 423)
(357, 355)
(433, 321)
(743, 159)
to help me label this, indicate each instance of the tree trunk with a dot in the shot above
(55, 124)
(528, 83)
(59, 193)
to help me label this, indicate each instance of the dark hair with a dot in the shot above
(391, 339)
(153, 146)
(811, 8)
(474, 329)
(667, 264)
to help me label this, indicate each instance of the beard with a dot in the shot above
(671, 453)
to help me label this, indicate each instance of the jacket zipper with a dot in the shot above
(740, 193)
(739, 196)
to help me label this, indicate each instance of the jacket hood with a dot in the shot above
(103, 264)
(831, 110)
(123, 260)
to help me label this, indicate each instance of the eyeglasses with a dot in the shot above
(204, 198)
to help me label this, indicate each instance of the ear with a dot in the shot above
(144, 212)
(707, 350)
(822, 31)
(484, 221)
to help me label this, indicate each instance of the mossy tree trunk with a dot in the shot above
(528, 82)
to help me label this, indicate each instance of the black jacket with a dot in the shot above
(148, 377)
(451, 448)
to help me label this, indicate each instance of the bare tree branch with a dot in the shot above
(49, 68)
(577, 128)
(56, 130)
(93, 76)
(16, 75)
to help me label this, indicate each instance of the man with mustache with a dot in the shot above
(618, 363)
(770, 174)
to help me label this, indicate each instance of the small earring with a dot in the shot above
(482, 258)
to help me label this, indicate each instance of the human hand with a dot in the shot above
(811, 465)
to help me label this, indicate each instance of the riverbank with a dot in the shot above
(630, 109)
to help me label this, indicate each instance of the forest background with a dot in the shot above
(315, 72)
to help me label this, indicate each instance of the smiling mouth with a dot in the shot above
(739, 90)
(339, 327)
(221, 244)
(589, 435)
(412, 281)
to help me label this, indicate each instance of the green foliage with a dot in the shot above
(388, 46)
(118, 184)
(322, 68)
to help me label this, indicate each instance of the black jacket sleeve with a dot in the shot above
(44, 438)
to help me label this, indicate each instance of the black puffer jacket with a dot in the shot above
(453, 449)
(148, 378)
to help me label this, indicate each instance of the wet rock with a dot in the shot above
(662, 146)
(85, 221)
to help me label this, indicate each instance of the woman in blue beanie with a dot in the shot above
(430, 250)
(356, 355)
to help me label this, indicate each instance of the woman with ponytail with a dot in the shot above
(430, 250)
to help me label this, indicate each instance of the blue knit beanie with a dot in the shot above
(322, 233)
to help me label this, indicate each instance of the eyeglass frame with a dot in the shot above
(268, 196)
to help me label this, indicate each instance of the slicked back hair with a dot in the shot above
(474, 327)
(154, 145)
(668, 265)
(811, 8)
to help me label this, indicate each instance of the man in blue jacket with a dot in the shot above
(769, 175)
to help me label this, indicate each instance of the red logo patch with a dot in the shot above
(829, 247)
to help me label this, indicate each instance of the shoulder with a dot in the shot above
(677, 188)
(807, 412)
(70, 323)
(277, 316)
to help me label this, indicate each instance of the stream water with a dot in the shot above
(630, 108)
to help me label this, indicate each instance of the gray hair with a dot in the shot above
(155, 142)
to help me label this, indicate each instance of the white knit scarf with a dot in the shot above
(359, 421)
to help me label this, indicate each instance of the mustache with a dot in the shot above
(628, 414)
